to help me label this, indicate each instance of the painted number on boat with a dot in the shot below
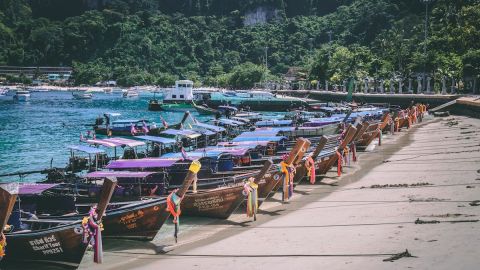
(48, 245)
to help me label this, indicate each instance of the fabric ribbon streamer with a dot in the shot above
(3, 244)
(379, 137)
(353, 146)
(173, 206)
(250, 189)
(339, 163)
(288, 173)
(346, 155)
(397, 124)
(92, 234)
(310, 166)
(173, 201)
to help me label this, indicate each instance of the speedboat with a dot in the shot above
(130, 94)
(80, 95)
(3, 94)
(22, 95)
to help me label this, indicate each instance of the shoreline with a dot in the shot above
(215, 231)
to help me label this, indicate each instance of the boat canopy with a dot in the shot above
(184, 132)
(119, 174)
(114, 142)
(210, 127)
(215, 153)
(128, 121)
(259, 133)
(333, 119)
(266, 123)
(230, 122)
(204, 131)
(238, 151)
(254, 139)
(277, 129)
(33, 188)
(161, 140)
(86, 149)
(251, 144)
(142, 163)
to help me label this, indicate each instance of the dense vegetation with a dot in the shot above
(158, 41)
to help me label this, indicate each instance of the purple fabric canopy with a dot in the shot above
(142, 163)
(120, 174)
(33, 188)
(123, 141)
(114, 142)
(230, 150)
(248, 144)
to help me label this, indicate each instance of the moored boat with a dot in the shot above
(22, 95)
(82, 95)
(52, 241)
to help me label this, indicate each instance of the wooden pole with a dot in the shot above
(191, 176)
(295, 151)
(107, 191)
(321, 144)
(302, 152)
(266, 167)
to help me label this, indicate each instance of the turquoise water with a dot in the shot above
(34, 132)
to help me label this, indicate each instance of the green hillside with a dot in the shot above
(223, 42)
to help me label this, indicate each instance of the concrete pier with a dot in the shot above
(394, 99)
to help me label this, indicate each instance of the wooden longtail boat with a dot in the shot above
(385, 120)
(327, 162)
(302, 169)
(273, 181)
(52, 241)
(373, 131)
(219, 202)
(141, 220)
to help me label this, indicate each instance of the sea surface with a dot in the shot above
(34, 135)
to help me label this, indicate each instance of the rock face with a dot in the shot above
(261, 15)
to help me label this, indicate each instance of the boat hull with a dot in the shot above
(215, 203)
(61, 245)
(21, 98)
(141, 222)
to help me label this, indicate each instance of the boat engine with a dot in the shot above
(55, 175)
(77, 164)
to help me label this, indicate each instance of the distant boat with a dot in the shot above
(117, 90)
(179, 98)
(22, 95)
(130, 94)
(3, 94)
(82, 95)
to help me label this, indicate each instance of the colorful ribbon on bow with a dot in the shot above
(397, 124)
(92, 234)
(339, 163)
(174, 201)
(353, 146)
(3, 244)
(173, 206)
(346, 155)
(379, 137)
(288, 174)
(250, 189)
(310, 166)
